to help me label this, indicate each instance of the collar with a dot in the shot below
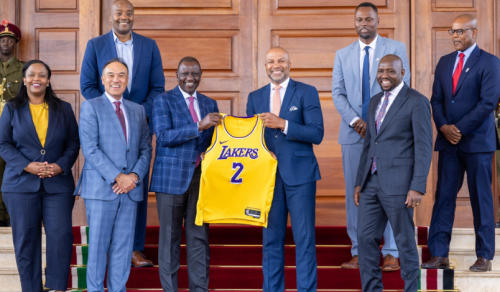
(112, 99)
(283, 84)
(397, 89)
(372, 45)
(10, 61)
(129, 42)
(186, 95)
(468, 51)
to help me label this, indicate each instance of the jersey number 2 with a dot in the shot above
(239, 168)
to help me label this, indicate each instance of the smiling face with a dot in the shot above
(36, 79)
(366, 23)
(278, 65)
(122, 17)
(7, 45)
(390, 72)
(189, 76)
(468, 38)
(115, 79)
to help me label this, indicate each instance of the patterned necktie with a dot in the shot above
(378, 123)
(458, 70)
(194, 116)
(276, 100)
(365, 88)
(119, 113)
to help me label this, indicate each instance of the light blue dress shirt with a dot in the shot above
(466, 56)
(125, 51)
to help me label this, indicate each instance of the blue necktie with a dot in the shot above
(365, 89)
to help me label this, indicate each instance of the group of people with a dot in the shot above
(386, 137)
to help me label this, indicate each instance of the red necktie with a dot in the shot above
(195, 119)
(458, 70)
(119, 113)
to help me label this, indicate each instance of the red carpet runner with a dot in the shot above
(236, 256)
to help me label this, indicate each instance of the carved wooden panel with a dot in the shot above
(453, 5)
(73, 97)
(442, 45)
(58, 48)
(175, 7)
(57, 5)
(325, 6)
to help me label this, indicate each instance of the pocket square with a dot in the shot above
(293, 108)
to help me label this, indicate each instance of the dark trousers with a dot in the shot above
(300, 202)
(375, 209)
(28, 212)
(142, 216)
(451, 167)
(173, 211)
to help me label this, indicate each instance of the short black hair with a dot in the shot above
(119, 60)
(188, 59)
(367, 4)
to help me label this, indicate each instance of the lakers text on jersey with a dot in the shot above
(238, 174)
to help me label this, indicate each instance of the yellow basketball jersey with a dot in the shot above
(238, 174)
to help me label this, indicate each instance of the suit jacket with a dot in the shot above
(148, 79)
(107, 153)
(403, 145)
(178, 141)
(20, 145)
(346, 84)
(297, 163)
(471, 108)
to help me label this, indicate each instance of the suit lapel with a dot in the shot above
(202, 105)
(110, 45)
(378, 55)
(108, 108)
(53, 121)
(137, 53)
(355, 62)
(131, 121)
(449, 75)
(182, 104)
(373, 109)
(471, 61)
(266, 100)
(288, 97)
(396, 104)
(28, 120)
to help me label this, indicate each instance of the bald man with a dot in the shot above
(392, 173)
(464, 96)
(145, 82)
(291, 112)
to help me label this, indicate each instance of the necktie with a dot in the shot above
(119, 113)
(276, 100)
(458, 70)
(365, 88)
(194, 116)
(378, 123)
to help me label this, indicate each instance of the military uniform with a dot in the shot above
(11, 77)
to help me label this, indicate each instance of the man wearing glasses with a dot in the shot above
(464, 96)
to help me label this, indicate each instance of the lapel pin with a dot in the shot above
(377, 59)
(467, 70)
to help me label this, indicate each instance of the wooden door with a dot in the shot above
(431, 20)
(312, 31)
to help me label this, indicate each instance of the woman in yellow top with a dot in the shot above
(39, 142)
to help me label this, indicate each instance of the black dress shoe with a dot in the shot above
(481, 265)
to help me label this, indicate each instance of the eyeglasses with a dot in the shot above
(459, 31)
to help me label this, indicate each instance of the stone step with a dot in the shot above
(465, 238)
(463, 258)
(470, 281)
(9, 279)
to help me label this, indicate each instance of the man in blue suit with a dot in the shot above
(115, 142)
(464, 95)
(354, 74)
(184, 121)
(145, 81)
(292, 115)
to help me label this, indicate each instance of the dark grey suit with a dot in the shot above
(403, 149)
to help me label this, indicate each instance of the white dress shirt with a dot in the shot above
(362, 54)
(392, 97)
(195, 102)
(466, 56)
(282, 91)
(122, 107)
(125, 51)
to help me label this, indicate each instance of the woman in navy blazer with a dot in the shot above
(38, 183)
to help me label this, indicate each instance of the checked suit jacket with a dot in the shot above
(178, 141)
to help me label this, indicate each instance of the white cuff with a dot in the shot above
(286, 128)
(353, 121)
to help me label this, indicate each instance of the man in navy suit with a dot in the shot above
(292, 115)
(464, 95)
(146, 80)
(184, 121)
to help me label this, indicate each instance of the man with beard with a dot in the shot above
(145, 81)
(184, 121)
(354, 73)
(392, 173)
(292, 115)
(11, 76)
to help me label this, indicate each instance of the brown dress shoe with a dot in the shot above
(139, 260)
(437, 263)
(391, 264)
(481, 265)
(352, 264)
